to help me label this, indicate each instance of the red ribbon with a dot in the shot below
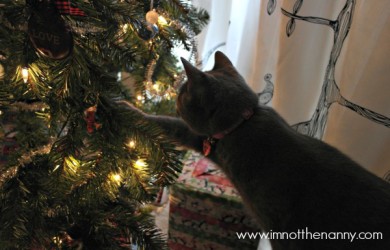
(65, 7)
(202, 171)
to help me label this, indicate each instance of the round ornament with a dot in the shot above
(145, 31)
(48, 33)
(152, 17)
(153, 28)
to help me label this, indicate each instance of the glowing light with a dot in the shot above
(125, 27)
(25, 74)
(131, 144)
(156, 87)
(139, 97)
(140, 164)
(115, 178)
(162, 21)
(72, 163)
(57, 240)
(56, 167)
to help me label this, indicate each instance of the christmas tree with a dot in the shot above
(77, 170)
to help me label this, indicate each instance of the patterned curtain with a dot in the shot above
(323, 65)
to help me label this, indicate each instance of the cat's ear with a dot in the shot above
(193, 74)
(221, 61)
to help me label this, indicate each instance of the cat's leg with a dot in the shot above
(178, 131)
(175, 128)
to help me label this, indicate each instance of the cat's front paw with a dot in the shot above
(130, 107)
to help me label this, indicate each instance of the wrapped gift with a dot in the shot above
(206, 210)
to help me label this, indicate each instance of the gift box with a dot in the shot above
(206, 211)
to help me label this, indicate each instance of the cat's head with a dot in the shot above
(212, 101)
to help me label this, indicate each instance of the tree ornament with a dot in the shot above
(57, 177)
(90, 118)
(65, 7)
(147, 29)
(47, 31)
(152, 16)
(144, 30)
(153, 28)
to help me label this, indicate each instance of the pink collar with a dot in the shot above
(246, 115)
(210, 141)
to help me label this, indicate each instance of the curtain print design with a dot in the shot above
(271, 6)
(266, 95)
(200, 64)
(330, 91)
(291, 23)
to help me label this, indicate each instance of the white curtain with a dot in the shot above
(327, 62)
(253, 33)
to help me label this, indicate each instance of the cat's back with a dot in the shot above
(294, 181)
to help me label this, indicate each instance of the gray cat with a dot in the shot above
(289, 181)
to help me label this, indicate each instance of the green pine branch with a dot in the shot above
(69, 177)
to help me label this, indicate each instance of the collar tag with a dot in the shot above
(208, 145)
(210, 141)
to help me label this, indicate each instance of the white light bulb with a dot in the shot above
(25, 74)
(116, 178)
(131, 144)
(140, 164)
(162, 21)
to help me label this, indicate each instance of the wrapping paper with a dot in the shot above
(206, 211)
